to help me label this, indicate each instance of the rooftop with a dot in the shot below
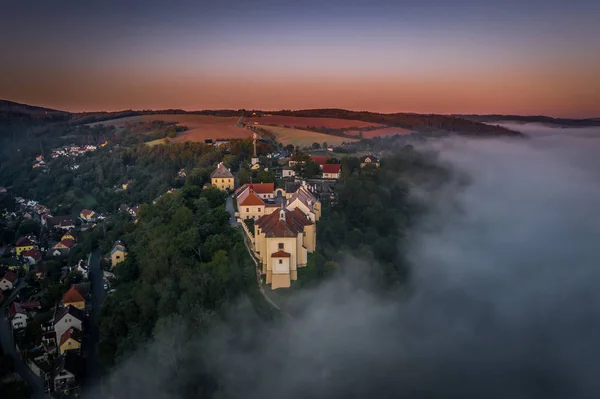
(221, 172)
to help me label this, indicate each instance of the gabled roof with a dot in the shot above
(34, 253)
(249, 198)
(221, 172)
(71, 333)
(86, 213)
(73, 295)
(321, 160)
(66, 243)
(373, 158)
(24, 242)
(332, 168)
(118, 248)
(259, 188)
(280, 254)
(10, 276)
(304, 196)
(68, 310)
(60, 221)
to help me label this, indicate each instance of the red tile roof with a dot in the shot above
(72, 332)
(73, 295)
(263, 188)
(292, 224)
(280, 254)
(249, 198)
(67, 243)
(331, 168)
(86, 213)
(321, 160)
(10, 276)
(34, 253)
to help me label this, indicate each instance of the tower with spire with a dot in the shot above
(254, 156)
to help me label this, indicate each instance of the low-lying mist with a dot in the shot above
(503, 299)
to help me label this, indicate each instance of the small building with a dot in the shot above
(9, 281)
(118, 253)
(61, 222)
(66, 374)
(332, 171)
(127, 184)
(24, 244)
(87, 215)
(70, 235)
(32, 256)
(369, 160)
(304, 200)
(74, 297)
(320, 160)
(287, 172)
(67, 317)
(62, 248)
(70, 341)
(251, 205)
(222, 178)
(17, 316)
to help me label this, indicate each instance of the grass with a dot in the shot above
(303, 138)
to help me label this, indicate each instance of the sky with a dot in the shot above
(428, 56)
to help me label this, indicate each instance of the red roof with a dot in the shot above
(15, 308)
(10, 276)
(73, 295)
(292, 224)
(70, 333)
(67, 243)
(263, 188)
(320, 160)
(332, 168)
(34, 253)
(280, 254)
(31, 305)
(86, 212)
(248, 198)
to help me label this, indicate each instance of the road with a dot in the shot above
(35, 383)
(231, 210)
(98, 293)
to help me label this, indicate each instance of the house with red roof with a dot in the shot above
(24, 243)
(262, 190)
(87, 215)
(33, 256)
(70, 340)
(74, 297)
(282, 241)
(332, 171)
(9, 281)
(321, 160)
(251, 205)
(63, 247)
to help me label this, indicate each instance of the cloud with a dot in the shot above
(504, 300)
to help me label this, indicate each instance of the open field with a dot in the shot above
(201, 127)
(302, 122)
(303, 138)
(383, 132)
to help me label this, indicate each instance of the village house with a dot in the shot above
(70, 341)
(32, 256)
(61, 222)
(287, 172)
(87, 215)
(331, 171)
(69, 235)
(62, 248)
(127, 184)
(66, 374)
(74, 297)
(67, 317)
(262, 190)
(118, 253)
(369, 160)
(282, 241)
(222, 178)
(17, 316)
(320, 160)
(9, 281)
(24, 244)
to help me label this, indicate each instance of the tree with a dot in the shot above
(243, 176)
(315, 146)
(324, 145)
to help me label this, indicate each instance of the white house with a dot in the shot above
(287, 172)
(67, 317)
(17, 316)
(8, 281)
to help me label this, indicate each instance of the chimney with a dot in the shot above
(282, 215)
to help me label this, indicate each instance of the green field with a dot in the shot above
(303, 138)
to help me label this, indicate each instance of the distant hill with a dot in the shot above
(532, 119)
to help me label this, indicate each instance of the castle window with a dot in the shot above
(259, 209)
(280, 261)
(280, 245)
